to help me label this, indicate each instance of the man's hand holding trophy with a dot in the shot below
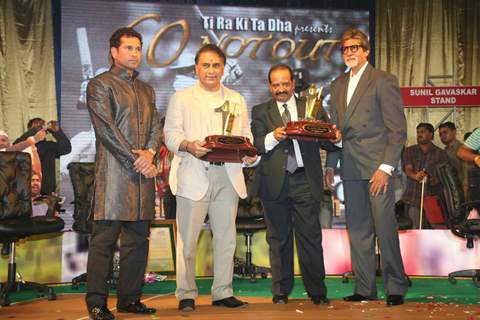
(310, 128)
(227, 147)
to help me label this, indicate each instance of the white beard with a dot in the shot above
(352, 62)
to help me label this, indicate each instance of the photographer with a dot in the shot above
(48, 150)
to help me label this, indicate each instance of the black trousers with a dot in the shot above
(295, 211)
(133, 260)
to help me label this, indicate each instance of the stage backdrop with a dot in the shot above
(254, 39)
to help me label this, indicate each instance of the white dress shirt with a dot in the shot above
(353, 82)
(271, 142)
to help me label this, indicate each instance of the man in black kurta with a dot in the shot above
(127, 131)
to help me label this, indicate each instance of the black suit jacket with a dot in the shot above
(271, 171)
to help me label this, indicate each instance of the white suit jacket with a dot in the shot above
(188, 118)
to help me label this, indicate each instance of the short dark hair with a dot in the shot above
(356, 34)
(427, 126)
(448, 124)
(116, 37)
(280, 66)
(211, 48)
(31, 121)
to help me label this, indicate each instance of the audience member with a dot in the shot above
(27, 146)
(39, 207)
(469, 152)
(43, 205)
(448, 136)
(48, 150)
(419, 163)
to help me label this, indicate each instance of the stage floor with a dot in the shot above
(72, 307)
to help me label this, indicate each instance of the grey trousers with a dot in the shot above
(370, 217)
(221, 203)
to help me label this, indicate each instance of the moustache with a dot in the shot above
(280, 92)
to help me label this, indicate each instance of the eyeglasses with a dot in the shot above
(353, 48)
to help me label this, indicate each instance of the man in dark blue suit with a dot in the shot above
(289, 182)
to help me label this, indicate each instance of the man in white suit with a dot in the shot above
(203, 187)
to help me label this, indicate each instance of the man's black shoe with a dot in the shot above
(186, 305)
(356, 298)
(320, 300)
(230, 302)
(280, 299)
(136, 307)
(394, 300)
(100, 313)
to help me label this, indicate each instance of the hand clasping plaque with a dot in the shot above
(310, 128)
(226, 147)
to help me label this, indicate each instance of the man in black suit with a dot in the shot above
(367, 106)
(289, 183)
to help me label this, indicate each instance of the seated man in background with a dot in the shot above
(48, 150)
(27, 146)
(42, 205)
(39, 208)
(448, 136)
(419, 163)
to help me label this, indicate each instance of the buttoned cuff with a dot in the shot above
(386, 168)
(270, 142)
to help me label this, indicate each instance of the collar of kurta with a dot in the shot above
(123, 73)
(430, 147)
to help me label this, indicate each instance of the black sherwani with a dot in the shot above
(124, 117)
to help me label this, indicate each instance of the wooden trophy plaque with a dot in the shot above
(311, 129)
(226, 147)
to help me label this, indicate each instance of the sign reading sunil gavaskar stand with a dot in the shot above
(460, 96)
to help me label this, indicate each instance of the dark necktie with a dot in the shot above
(285, 114)
(292, 164)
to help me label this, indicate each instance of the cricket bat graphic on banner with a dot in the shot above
(87, 68)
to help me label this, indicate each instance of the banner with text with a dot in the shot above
(459, 96)
(254, 39)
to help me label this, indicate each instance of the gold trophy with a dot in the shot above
(310, 128)
(228, 148)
